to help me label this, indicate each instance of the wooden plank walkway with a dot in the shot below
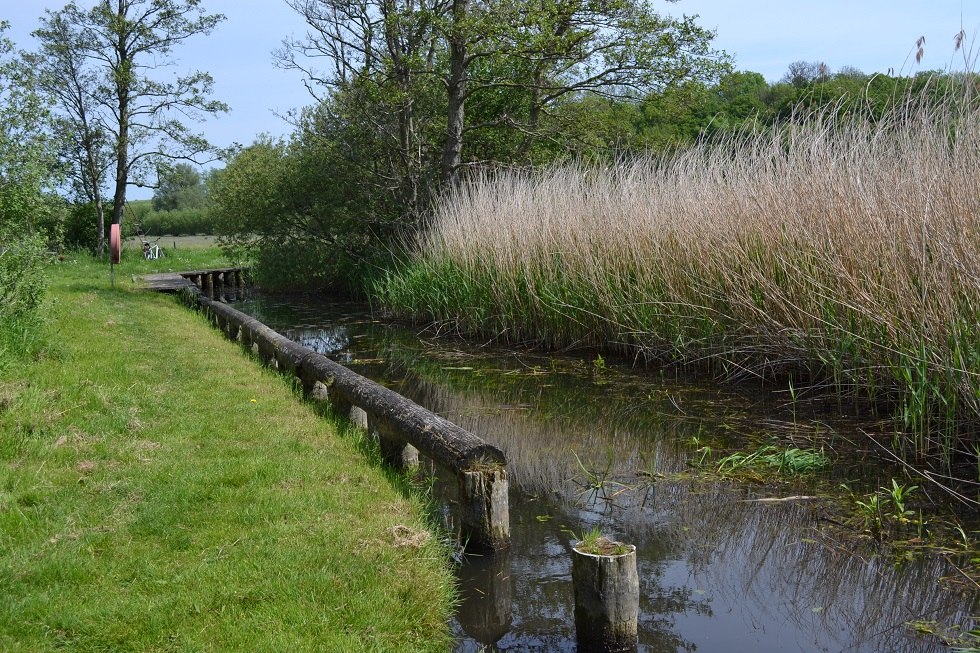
(165, 282)
(176, 281)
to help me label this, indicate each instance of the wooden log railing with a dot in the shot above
(403, 428)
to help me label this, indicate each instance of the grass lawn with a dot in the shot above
(161, 491)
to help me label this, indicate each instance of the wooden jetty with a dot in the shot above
(204, 280)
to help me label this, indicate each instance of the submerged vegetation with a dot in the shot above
(836, 252)
(790, 461)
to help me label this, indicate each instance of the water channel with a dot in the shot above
(723, 567)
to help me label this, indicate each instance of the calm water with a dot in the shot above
(598, 444)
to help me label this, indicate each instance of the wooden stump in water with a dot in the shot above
(607, 596)
(484, 511)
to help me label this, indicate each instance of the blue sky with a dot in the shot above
(763, 35)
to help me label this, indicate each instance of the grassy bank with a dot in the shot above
(161, 491)
(824, 256)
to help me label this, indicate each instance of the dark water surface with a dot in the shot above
(592, 443)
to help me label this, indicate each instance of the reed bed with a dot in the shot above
(829, 253)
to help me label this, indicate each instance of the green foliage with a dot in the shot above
(22, 279)
(79, 227)
(300, 211)
(185, 222)
(886, 511)
(790, 461)
(22, 291)
(29, 167)
(179, 188)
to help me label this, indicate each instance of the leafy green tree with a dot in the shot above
(179, 187)
(63, 74)
(120, 48)
(28, 150)
(505, 70)
(28, 214)
(297, 209)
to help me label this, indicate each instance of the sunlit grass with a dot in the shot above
(161, 491)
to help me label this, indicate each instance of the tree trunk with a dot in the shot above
(122, 80)
(452, 152)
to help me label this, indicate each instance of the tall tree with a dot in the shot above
(120, 47)
(63, 73)
(28, 150)
(179, 187)
(523, 59)
(554, 51)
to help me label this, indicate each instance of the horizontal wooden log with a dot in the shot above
(444, 442)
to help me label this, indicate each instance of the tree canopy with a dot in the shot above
(179, 187)
(104, 66)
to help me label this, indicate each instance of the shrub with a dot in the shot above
(22, 281)
(22, 286)
(185, 222)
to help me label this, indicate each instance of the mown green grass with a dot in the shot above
(160, 491)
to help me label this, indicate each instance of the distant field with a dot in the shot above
(178, 242)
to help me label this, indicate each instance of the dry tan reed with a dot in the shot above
(841, 252)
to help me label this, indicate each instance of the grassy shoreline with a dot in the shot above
(160, 491)
(828, 257)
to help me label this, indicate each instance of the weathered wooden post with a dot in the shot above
(484, 510)
(395, 450)
(359, 417)
(209, 285)
(607, 595)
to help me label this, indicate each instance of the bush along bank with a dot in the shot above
(833, 255)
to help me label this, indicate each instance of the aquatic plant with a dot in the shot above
(791, 460)
(595, 543)
(870, 510)
(886, 510)
(899, 496)
(597, 482)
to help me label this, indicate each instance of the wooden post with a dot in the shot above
(396, 452)
(240, 277)
(484, 513)
(607, 596)
(210, 285)
(359, 417)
